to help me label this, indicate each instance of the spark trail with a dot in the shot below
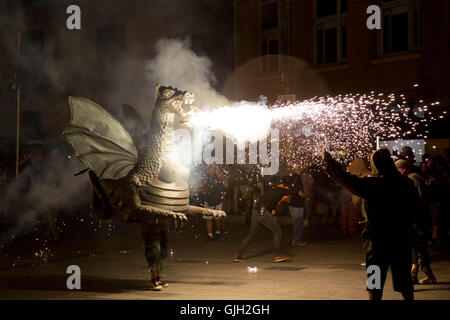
(345, 123)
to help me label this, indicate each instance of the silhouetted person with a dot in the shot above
(392, 203)
(297, 206)
(421, 258)
(267, 206)
(154, 232)
(213, 190)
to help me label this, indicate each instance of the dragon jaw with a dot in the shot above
(172, 100)
(184, 105)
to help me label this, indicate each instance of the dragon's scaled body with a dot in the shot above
(137, 187)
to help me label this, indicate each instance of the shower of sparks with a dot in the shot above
(346, 124)
(68, 226)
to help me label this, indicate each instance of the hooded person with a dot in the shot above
(391, 203)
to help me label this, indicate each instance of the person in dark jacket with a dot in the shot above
(392, 205)
(266, 207)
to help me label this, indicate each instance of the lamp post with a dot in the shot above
(18, 108)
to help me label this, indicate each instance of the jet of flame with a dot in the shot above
(347, 123)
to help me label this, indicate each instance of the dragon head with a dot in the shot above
(172, 100)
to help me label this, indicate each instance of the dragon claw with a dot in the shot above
(180, 216)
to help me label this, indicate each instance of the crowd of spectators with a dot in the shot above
(325, 203)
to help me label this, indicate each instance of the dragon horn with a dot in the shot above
(157, 89)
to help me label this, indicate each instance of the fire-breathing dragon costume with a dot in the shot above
(136, 187)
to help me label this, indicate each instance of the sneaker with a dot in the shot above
(155, 286)
(428, 280)
(162, 283)
(238, 258)
(299, 243)
(280, 258)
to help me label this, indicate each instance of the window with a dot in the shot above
(269, 52)
(269, 14)
(270, 36)
(274, 34)
(330, 31)
(326, 8)
(401, 26)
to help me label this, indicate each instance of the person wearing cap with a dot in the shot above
(392, 203)
(266, 207)
(419, 249)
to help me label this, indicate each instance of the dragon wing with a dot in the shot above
(99, 140)
(133, 123)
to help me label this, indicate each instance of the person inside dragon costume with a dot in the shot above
(145, 186)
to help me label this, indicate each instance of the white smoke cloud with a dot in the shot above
(50, 186)
(176, 64)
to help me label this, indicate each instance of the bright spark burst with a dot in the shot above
(348, 124)
(245, 121)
